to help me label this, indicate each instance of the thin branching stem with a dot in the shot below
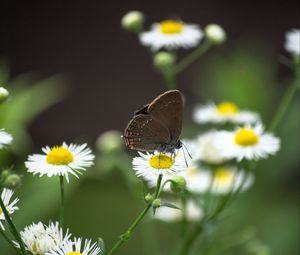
(127, 235)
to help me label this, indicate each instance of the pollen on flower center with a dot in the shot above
(171, 27)
(161, 161)
(1, 210)
(74, 253)
(246, 137)
(59, 156)
(223, 175)
(227, 108)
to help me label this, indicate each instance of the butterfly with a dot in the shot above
(157, 126)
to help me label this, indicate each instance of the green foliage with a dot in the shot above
(29, 98)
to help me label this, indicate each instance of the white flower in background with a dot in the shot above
(172, 34)
(10, 206)
(61, 160)
(226, 179)
(193, 212)
(223, 112)
(5, 138)
(247, 142)
(76, 247)
(206, 149)
(149, 165)
(292, 43)
(40, 239)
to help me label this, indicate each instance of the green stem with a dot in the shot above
(126, 236)
(192, 57)
(170, 78)
(62, 198)
(189, 240)
(9, 241)
(285, 102)
(13, 228)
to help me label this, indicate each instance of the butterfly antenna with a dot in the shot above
(186, 150)
(186, 163)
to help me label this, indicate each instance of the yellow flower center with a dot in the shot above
(1, 210)
(161, 161)
(171, 27)
(223, 176)
(225, 108)
(59, 156)
(74, 253)
(246, 137)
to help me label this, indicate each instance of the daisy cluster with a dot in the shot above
(39, 238)
(219, 157)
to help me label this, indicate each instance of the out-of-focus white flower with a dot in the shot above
(75, 247)
(206, 149)
(227, 179)
(223, 112)
(5, 138)
(10, 206)
(40, 239)
(193, 212)
(149, 165)
(61, 160)
(215, 33)
(247, 142)
(171, 35)
(292, 43)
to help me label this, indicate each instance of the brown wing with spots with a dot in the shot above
(145, 134)
(167, 110)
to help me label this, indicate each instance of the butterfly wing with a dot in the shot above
(167, 109)
(144, 133)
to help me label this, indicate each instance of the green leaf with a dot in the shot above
(166, 204)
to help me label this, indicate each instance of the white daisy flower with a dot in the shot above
(10, 206)
(5, 138)
(206, 150)
(75, 247)
(226, 179)
(150, 166)
(197, 180)
(292, 43)
(61, 160)
(247, 142)
(40, 239)
(223, 112)
(193, 212)
(172, 34)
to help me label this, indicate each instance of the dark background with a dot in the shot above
(109, 73)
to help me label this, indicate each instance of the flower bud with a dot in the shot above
(156, 203)
(149, 198)
(178, 184)
(12, 181)
(3, 94)
(133, 21)
(164, 60)
(215, 33)
(109, 141)
(5, 173)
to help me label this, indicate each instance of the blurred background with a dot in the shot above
(73, 73)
